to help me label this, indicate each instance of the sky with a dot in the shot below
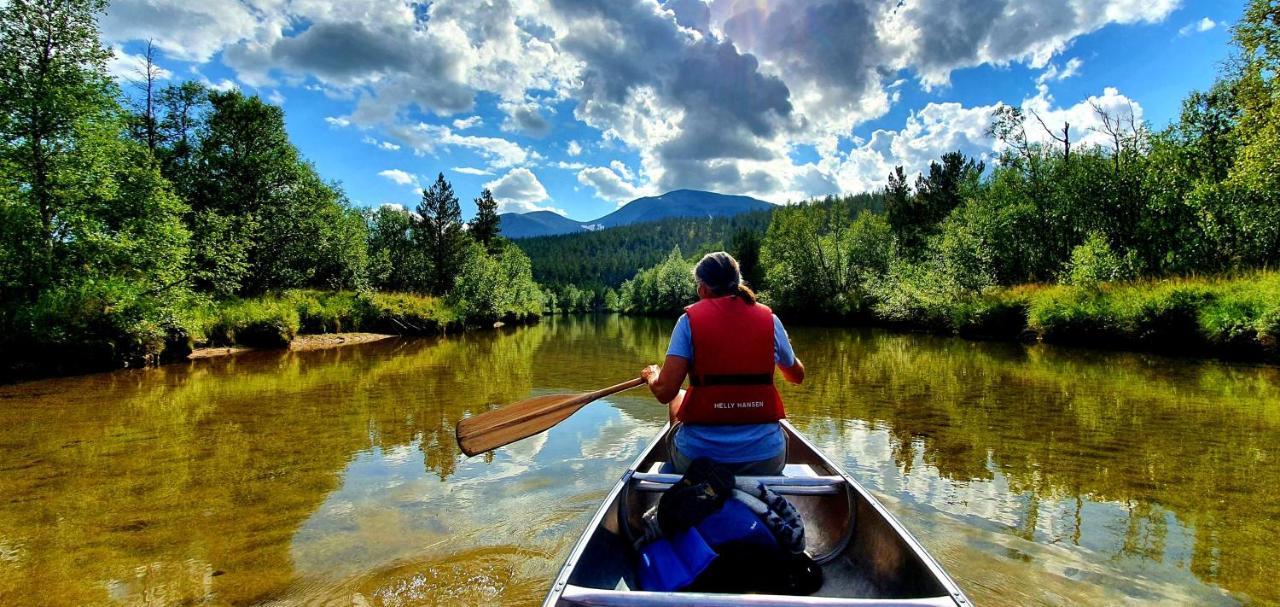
(578, 106)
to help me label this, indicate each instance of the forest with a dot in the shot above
(137, 224)
(1165, 239)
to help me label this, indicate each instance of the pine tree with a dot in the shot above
(485, 226)
(439, 236)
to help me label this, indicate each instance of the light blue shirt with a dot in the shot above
(731, 443)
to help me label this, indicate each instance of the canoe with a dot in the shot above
(867, 556)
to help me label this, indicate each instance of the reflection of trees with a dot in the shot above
(1155, 435)
(188, 481)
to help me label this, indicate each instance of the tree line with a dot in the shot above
(122, 216)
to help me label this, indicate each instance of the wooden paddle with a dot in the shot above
(493, 429)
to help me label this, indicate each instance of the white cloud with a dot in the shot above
(382, 145)
(939, 128)
(276, 97)
(399, 177)
(608, 185)
(1196, 27)
(1054, 74)
(569, 166)
(471, 171)
(463, 124)
(518, 192)
(500, 153)
(126, 68)
(651, 76)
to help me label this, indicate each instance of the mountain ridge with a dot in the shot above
(676, 203)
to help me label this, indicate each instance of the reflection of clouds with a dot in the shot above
(1070, 543)
(536, 494)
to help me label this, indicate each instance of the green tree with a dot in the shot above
(276, 223)
(439, 235)
(183, 109)
(54, 97)
(745, 247)
(395, 263)
(485, 226)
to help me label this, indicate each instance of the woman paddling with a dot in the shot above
(727, 343)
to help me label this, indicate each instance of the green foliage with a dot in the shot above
(439, 236)
(486, 225)
(816, 258)
(273, 223)
(1095, 262)
(326, 311)
(495, 287)
(665, 288)
(268, 322)
(93, 324)
(404, 314)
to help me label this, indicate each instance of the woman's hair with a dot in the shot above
(720, 274)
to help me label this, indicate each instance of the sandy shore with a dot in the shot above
(300, 343)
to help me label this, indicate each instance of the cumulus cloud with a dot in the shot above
(471, 171)
(519, 191)
(711, 94)
(608, 185)
(469, 122)
(939, 128)
(936, 37)
(126, 67)
(1053, 73)
(1196, 27)
(382, 145)
(428, 138)
(399, 177)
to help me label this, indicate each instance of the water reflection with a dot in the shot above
(1036, 475)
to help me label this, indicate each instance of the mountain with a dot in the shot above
(678, 203)
(537, 223)
(681, 203)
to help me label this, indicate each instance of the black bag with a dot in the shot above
(697, 495)
(745, 568)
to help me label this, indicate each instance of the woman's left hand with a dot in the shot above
(650, 374)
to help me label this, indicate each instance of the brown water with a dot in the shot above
(1035, 475)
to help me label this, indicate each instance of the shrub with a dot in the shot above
(95, 324)
(325, 312)
(404, 314)
(266, 323)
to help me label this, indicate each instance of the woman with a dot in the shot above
(728, 344)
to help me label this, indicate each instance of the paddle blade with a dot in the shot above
(493, 429)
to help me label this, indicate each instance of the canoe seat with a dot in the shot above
(796, 479)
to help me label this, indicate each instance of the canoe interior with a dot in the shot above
(863, 554)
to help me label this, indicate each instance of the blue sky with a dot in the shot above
(580, 105)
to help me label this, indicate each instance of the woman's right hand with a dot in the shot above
(650, 374)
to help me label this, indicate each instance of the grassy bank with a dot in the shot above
(97, 332)
(1232, 317)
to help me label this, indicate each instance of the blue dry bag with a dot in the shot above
(667, 565)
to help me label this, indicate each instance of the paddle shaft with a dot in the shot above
(494, 429)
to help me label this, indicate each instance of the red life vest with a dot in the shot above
(731, 374)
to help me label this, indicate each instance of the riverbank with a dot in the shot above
(298, 320)
(1230, 317)
(300, 343)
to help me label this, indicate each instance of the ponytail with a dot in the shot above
(719, 272)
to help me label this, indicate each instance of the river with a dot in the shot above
(1036, 475)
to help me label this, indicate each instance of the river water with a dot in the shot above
(1036, 475)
